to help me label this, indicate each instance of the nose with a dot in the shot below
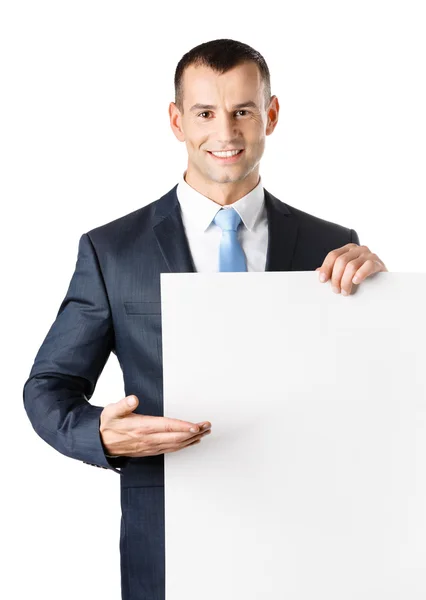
(227, 130)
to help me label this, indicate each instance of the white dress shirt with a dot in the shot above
(204, 236)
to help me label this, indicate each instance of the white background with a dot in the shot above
(85, 138)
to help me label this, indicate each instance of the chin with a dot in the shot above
(223, 175)
(228, 178)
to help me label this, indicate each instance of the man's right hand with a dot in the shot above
(125, 433)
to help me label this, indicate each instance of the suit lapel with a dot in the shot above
(282, 234)
(170, 233)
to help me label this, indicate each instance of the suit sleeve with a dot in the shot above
(68, 364)
(354, 237)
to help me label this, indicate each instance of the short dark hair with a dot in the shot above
(221, 56)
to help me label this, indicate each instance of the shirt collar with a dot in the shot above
(200, 210)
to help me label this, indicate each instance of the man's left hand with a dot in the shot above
(348, 265)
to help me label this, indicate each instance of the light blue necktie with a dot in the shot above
(231, 255)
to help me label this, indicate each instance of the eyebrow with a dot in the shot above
(249, 104)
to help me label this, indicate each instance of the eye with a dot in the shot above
(205, 112)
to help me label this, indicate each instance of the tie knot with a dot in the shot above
(227, 219)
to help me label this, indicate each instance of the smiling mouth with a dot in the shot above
(226, 159)
(240, 150)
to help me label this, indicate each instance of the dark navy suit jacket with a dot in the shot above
(113, 304)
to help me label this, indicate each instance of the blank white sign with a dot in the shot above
(312, 483)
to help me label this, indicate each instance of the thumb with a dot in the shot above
(125, 406)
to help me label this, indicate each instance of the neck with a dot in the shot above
(222, 193)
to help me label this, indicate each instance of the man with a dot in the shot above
(218, 218)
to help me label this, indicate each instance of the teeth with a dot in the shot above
(225, 154)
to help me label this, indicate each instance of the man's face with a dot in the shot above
(236, 119)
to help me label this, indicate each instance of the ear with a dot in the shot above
(176, 121)
(272, 114)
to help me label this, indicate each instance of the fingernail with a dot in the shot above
(336, 290)
(194, 429)
(322, 277)
(205, 426)
(344, 293)
(355, 280)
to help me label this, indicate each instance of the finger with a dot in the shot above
(348, 274)
(123, 407)
(370, 266)
(173, 438)
(190, 442)
(193, 443)
(326, 268)
(204, 425)
(166, 446)
(164, 449)
(176, 448)
(151, 424)
(340, 265)
(198, 436)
